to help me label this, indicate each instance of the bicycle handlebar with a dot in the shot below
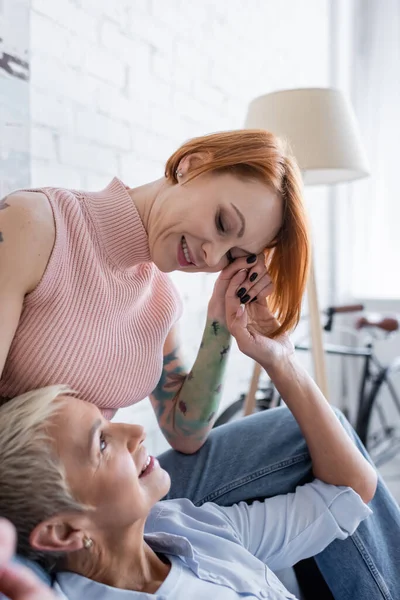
(346, 308)
(388, 324)
(334, 310)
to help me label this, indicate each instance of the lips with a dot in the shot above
(145, 465)
(149, 466)
(185, 258)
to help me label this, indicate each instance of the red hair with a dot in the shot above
(259, 154)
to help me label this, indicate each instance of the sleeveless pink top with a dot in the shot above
(99, 318)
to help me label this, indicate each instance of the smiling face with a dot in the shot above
(104, 465)
(200, 225)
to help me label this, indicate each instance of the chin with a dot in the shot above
(164, 269)
(159, 483)
(165, 483)
(162, 265)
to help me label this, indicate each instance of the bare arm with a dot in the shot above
(335, 458)
(26, 240)
(185, 403)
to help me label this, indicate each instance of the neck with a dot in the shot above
(123, 560)
(145, 198)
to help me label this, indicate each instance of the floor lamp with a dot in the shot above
(320, 125)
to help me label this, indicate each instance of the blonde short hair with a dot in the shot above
(33, 486)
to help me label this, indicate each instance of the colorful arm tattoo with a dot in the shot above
(186, 404)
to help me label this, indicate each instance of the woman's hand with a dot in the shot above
(16, 582)
(255, 283)
(245, 323)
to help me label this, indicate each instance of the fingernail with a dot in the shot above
(245, 299)
(240, 311)
(253, 299)
(240, 293)
(251, 259)
(253, 277)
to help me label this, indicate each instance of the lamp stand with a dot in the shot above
(250, 401)
(317, 347)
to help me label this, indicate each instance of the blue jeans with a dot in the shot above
(265, 455)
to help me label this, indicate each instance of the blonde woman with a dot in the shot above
(84, 496)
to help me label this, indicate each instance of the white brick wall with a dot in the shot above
(117, 86)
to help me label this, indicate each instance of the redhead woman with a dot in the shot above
(86, 300)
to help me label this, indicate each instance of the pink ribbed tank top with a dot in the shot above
(98, 319)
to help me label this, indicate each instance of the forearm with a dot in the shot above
(188, 402)
(335, 458)
(199, 397)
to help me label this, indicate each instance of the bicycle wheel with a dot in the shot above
(232, 412)
(268, 397)
(378, 420)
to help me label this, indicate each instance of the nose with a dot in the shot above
(214, 253)
(135, 435)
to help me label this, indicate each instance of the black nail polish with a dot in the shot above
(241, 292)
(251, 259)
(245, 299)
(253, 299)
(253, 276)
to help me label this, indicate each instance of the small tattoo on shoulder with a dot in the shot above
(1, 237)
(3, 203)
(215, 327)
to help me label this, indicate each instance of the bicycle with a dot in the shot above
(380, 435)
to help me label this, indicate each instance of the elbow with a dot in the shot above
(368, 486)
(185, 445)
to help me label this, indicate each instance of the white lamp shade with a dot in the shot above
(320, 125)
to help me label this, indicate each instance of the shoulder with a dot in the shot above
(181, 516)
(29, 207)
(27, 234)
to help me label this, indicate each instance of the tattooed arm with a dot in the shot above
(186, 403)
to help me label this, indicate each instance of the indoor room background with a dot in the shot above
(90, 89)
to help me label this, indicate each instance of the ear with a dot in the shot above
(58, 535)
(192, 161)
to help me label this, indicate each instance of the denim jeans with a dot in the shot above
(265, 455)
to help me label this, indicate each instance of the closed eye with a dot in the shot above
(220, 224)
(222, 229)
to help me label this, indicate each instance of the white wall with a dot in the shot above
(14, 95)
(117, 86)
